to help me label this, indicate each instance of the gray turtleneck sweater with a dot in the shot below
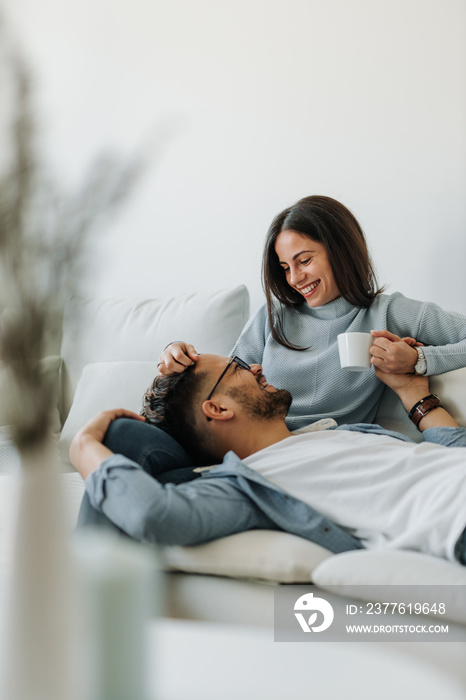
(320, 388)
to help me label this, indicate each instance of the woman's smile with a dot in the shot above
(309, 289)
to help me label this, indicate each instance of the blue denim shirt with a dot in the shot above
(229, 498)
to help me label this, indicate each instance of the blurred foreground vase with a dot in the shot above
(122, 590)
(41, 659)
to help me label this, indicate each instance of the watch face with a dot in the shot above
(420, 367)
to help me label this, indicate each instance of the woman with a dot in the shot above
(319, 282)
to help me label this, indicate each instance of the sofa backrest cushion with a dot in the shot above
(103, 386)
(113, 330)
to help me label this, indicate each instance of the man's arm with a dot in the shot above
(86, 450)
(193, 512)
(184, 514)
(412, 388)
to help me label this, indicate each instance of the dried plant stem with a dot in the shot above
(44, 233)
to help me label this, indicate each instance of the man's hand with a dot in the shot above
(86, 449)
(393, 354)
(410, 388)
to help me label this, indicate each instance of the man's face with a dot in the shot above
(249, 388)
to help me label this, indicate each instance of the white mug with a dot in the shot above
(354, 351)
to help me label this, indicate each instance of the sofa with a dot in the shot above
(106, 357)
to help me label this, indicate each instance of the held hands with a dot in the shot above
(176, 358)
(390, 357)
(392, 354)
(410, 389)
(394, 359)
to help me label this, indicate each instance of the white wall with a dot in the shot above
(251, 105)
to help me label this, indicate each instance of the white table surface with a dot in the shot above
(208, 661)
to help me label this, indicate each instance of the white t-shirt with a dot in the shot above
(389, 493)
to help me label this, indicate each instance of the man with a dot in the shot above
(346, 487)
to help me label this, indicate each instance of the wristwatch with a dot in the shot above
(421, 365)
(423, 407)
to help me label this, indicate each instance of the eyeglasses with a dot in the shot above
(238, 361)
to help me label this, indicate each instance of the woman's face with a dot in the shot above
(307, 267)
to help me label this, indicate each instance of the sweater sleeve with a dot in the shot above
(250, 345)
(442, 332)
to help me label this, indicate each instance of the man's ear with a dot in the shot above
(217, 410)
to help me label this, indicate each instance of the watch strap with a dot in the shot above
(423, 407)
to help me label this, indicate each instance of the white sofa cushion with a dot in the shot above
(375, 576)
(105, 385)
(260, 554)
(138, 330)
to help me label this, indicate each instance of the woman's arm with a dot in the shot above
(444, 337)
(442, 334)
(250, 345)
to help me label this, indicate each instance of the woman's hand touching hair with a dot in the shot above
(176, 358)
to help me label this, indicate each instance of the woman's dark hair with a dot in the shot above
(170, 404)
(329, 222)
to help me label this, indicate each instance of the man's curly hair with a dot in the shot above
(170, 404)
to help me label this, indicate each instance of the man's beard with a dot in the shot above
(266, 406)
